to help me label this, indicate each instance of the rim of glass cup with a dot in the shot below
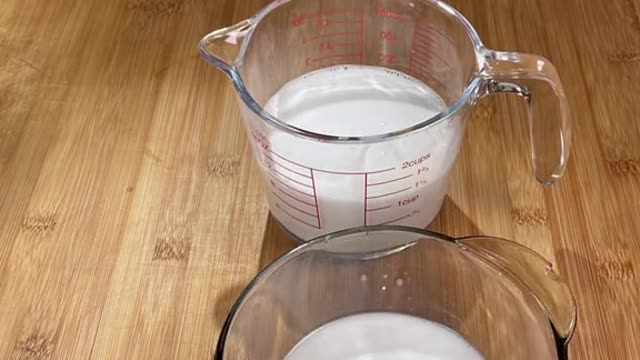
(341, 235)
(468, 95)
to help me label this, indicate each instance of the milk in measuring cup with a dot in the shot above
(319, 187)
(383, 336)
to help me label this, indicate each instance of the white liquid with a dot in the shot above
(406, 176)
(383, 336)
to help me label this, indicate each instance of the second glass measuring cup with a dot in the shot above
(356, 109)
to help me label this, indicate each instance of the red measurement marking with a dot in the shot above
(291, 206)
(429, 28)
(344, 33)
(424, 62)
(423, 44)
(290, 179)
(432, 55)
(388, 35)
(330, 57)
(298, 21)
(382, 12)
(295, 217)
(327, 45)
(409, 201)
(419, 48)
(398, 219)
(328, 171)
(389, 194)
(261, 141)
(291, 187)
(286, 168)
(287, 160)
(381, 171)
(387, 58)
(382, 208)
(413, 41)
(293, 197)
(354, 173)
(427, 50)
(334, 12)
(315, 198)
(390, 181)
(424, 36)
(412, 163)
(366, 180)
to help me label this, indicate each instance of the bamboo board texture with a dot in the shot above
(132, 213)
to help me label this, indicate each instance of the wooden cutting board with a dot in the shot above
(132, 215)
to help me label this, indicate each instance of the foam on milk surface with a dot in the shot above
(383, 336)
(360, 101)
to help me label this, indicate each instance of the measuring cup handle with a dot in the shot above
(536, 79)
(221, 47)
(536, 274)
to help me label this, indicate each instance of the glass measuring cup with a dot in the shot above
(502, 298)
(319, 182)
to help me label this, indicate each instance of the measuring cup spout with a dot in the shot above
(536, 274)
(221, 47)
(537, 81)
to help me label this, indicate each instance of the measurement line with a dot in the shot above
(428, 53)
(423, 62)
(435, 55)
(288, 178)
(294, 198)
(291, 206)
(354, 172)
(317, 37)
(425, 50)
(399, 219)
(333, 57)
(290, 187)
(381, 171)
(333, 12)
(413, 41)
(328, 171)
(315, 198)
(284, 167)
(295, 218)
(287, 160)
(420, 63)
(429, 28)
(428, 37)
(391, 181)
(382, 208)
(366, 180)
(389, 194)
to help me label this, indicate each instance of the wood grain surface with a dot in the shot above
(132, 214)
